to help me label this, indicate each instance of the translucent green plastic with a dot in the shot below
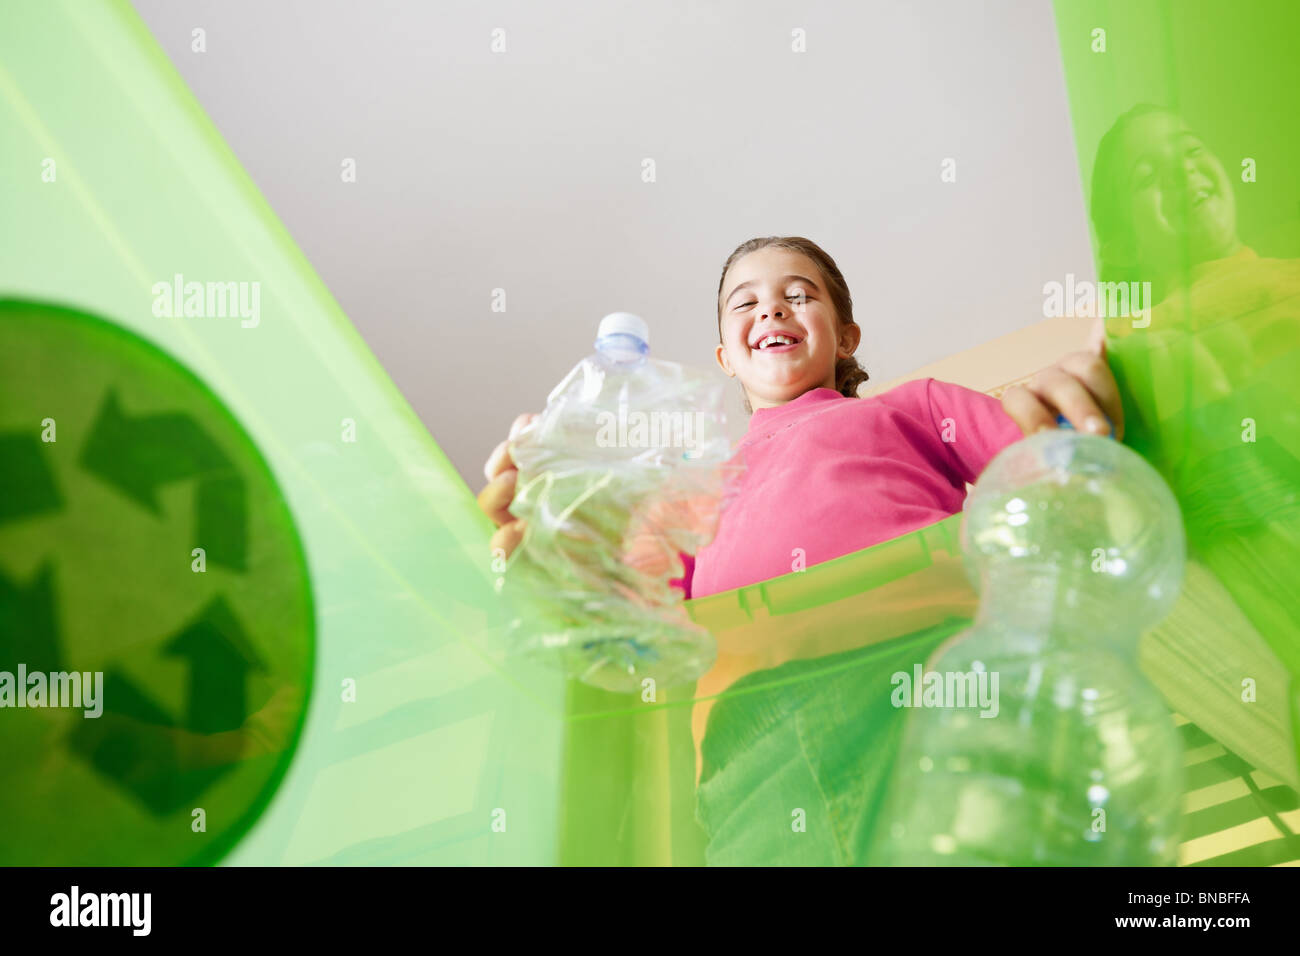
(413, 742)
(414, 746)
(800, 747)
(1211, 376)
(1033, 739)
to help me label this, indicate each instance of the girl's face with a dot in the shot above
(1177, 196)
(772, 292)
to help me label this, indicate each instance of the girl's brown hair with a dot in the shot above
(849, 374)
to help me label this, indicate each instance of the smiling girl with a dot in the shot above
(829, 473)
(1162, 203)
(826, 473)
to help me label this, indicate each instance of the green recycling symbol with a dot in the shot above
(145, 548)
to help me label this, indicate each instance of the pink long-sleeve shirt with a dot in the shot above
(826, 475)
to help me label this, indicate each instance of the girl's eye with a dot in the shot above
(797, 297)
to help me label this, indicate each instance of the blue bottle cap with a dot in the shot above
(1063, 422)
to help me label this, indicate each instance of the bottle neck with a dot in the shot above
(622, 349)
(1042, 603)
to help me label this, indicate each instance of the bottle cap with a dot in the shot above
(1063, 422)
(624, 323)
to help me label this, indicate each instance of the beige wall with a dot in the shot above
(1001, 362)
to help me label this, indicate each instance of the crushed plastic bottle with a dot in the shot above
(623, 470)
(1035, 739)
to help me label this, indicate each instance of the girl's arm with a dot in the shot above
(972, 426)
(975, 427)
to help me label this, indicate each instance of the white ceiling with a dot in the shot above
(522, 170)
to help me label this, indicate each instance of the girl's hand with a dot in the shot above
(647, 547)
(1080, 386)
(496, 497)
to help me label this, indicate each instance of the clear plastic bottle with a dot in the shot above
(1072, 758)
(629, 456)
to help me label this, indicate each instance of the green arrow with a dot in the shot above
(137, 455)
(144, 749)
(28, 628)
(220, 658)
(135, 744)
(27, 485)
